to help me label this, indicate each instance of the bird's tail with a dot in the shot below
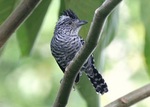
(97, 80)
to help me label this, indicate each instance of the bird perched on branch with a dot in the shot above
(66, 42)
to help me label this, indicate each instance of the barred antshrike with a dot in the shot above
(66, 42)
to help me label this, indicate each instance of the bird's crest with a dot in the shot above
(70, 13)
(67, 14)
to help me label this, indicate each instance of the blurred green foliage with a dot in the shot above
(145, 18)
(28, 31)
(29, 76)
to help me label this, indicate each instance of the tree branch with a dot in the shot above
(92, 39)
(16, 18)
(132, 97)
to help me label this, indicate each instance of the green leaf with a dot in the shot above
(146, 20)
(6, 7)
(107, 36)
(62, 7)
(110, 28)
(28, 31)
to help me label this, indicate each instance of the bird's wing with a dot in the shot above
(61, 67)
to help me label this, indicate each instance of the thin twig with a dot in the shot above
(92, 39)
(132, 97)
(16, 18)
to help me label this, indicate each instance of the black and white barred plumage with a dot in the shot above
(66, 43)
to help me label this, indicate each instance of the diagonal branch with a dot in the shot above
(132, 97)
(16, 18)
(92, 39)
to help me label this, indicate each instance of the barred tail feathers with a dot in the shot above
(97, 81)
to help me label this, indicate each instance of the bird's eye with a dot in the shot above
(70, 23)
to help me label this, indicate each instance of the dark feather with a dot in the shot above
(70, 13)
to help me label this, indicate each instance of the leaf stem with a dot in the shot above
(16, 18)
(132, 97)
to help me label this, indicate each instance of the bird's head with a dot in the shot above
(70, 23)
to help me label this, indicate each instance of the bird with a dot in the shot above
(66, 43)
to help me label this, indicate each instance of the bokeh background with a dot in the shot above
(32, 78)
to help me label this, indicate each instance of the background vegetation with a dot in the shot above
(29, 76)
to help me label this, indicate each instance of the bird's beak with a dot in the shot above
(82, 22)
